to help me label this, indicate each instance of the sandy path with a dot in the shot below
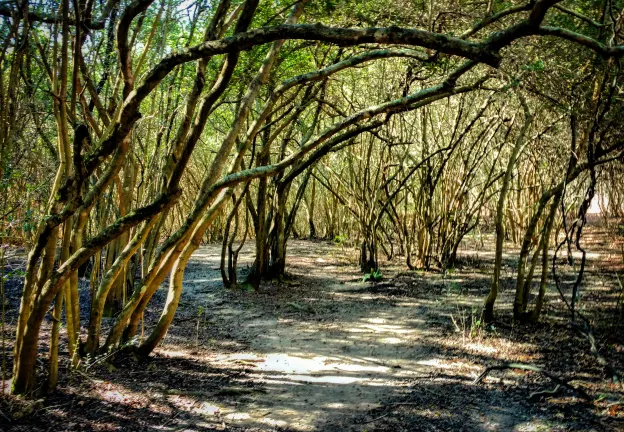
(322, 352)
(325, 351)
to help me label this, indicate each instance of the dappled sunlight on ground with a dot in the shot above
(323, 350)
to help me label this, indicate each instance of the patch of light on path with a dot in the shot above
(443, 365)
(327, 379)
(482, 348)
(296, 365)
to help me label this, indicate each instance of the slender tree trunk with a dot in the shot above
(311, 210)
(488, 309)
(539, 302)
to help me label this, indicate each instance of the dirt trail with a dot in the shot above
(322, 349)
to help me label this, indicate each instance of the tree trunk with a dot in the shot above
(539, 302)
(488, 309)
(311, 210)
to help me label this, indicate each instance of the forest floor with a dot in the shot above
(323, 350)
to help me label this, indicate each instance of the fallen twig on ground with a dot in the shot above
(387, 406)
(376, 418)
(538, 394)
(588, 334)
(300, 308)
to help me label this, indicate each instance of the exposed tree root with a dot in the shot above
(523, 366)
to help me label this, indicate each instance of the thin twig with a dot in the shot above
(538, 394)
(3, 415)
(376, 418)
(389, 412)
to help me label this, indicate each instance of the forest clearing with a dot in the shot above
(311, 215)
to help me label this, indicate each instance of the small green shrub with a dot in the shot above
(373, 276)
(340, 239)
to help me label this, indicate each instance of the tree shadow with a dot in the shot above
(325, 351)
